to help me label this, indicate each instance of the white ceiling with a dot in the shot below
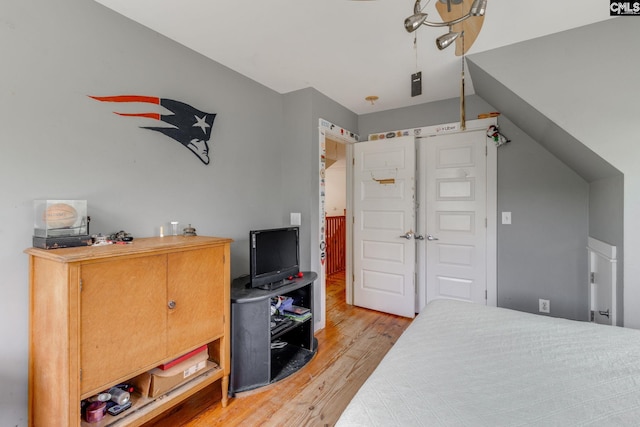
(347, 49)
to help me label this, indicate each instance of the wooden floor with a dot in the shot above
(349, 349)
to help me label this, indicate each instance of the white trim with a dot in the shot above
(492, 216)
(326, 128)
(608, 253)
(427, 131)
(604, 249)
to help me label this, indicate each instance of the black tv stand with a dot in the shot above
(258, 356)
(266, 287)
(275, 285)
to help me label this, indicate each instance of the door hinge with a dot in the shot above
(593, 315)
(486, 295)
(486, 223)
(593, 277)
(80, 374)
(486, 150)
(80, 285)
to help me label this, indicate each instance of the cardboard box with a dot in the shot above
(141, 384)
(160, 385)
(157, 382)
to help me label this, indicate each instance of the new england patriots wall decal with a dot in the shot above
(189, 126)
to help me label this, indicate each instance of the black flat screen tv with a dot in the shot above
(275, 256)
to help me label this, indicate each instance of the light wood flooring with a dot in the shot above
(349, 348)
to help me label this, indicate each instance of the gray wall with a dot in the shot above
(605, 181)
(606, 216)
(433, 113)
(300, 167)
(542, 254)
(58, 143)
(572, 89)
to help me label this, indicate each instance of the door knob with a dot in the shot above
(408, 235)
(430, 237)
(418, 237)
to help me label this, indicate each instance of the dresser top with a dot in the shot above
(138, 246)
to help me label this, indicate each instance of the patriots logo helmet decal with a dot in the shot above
(189, 126)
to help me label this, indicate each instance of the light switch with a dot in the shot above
(296, 218)
(506, 218)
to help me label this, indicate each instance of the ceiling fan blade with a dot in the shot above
(471, 26)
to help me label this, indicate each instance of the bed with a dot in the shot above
(463, 364)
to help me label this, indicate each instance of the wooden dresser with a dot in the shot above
(101, 315)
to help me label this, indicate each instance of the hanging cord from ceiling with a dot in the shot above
(415, 35)
(416, 78)
(423, 7)
(463, 123)
(415, 48)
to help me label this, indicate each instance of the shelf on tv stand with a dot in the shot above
(253, 362)
(276, 285)
(288, 360)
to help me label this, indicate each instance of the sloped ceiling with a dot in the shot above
(346, 49)
(508, 78)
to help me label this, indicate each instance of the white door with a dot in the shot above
(455, 236)
(384, 225)
(603, 292)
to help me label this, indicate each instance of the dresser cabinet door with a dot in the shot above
(196, 287)
(123, 315)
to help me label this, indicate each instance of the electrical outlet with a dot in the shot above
(544, 306)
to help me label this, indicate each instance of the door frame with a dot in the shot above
(334, 132)
(349, 138)
(602, 262)
(492, 184)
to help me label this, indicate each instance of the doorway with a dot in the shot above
(335, 215)
(348, 139)
(334, 199)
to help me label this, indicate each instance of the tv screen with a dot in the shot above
(274, 256)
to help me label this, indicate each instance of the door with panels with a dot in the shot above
(455, 187)
(384, 225)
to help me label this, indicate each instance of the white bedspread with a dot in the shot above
(462, 364)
